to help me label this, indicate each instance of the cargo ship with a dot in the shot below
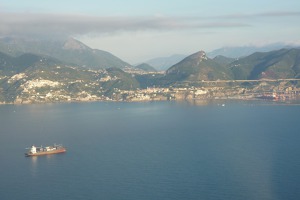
(40, 151)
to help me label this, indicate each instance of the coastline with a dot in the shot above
(277, 101)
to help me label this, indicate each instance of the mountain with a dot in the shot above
(198, 67)
(163, 63)
(30, 78)
(123, 81)
(146, 67)
(238, 52)
(280, 64)
(69, 50)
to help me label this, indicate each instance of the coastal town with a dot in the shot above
(262, 90)
(45, 91)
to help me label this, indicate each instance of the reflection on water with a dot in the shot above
(33, 160)
(38, 163)
(34, 164)
(199, 102)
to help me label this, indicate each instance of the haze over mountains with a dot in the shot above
(164, 63)
(242, 51)
(72, 52)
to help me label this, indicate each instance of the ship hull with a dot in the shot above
(62, 150)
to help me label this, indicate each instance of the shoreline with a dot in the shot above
(278, 102)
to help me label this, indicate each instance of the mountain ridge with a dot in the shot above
(68, 50)
(283, 63)
(243, 51)
(197, 67)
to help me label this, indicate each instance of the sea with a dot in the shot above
(210, 150)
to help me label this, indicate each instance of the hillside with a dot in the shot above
(31, 78)
(197, 67)
(11, 65)
(222, 60)
(69, 50)
(284, 63)
(146, 67)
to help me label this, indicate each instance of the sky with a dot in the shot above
(136, 30)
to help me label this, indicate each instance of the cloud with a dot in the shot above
(67, 24)
(261, 15)
(39, 24)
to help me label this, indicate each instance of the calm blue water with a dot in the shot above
(151, 151)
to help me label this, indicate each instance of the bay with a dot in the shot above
(153, 150)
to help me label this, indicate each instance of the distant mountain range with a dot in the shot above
(230, 53)
(164, 63)
(69, 51)
(242, 51)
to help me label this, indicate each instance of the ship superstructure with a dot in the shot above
(39, 151)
